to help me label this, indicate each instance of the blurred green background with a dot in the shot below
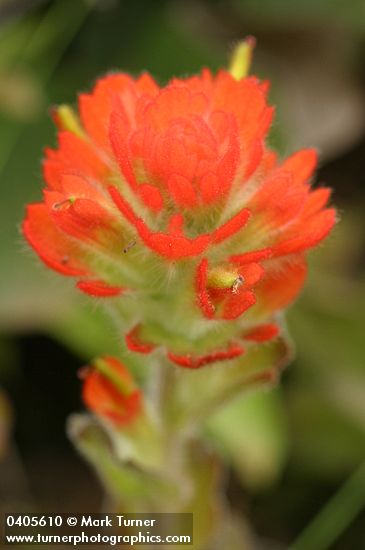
(290, 449)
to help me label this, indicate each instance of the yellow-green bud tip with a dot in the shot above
(222, 278)
(241, 58)
(122, 381)
(66, 119)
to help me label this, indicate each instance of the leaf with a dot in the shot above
(252, 435)
(326, 441)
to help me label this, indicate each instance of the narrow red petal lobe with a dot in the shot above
(190, 362)
(123, 205)
(235, 224)
(170, 246)
(99, 289)
(134, 342)
(201, 288)
(253, 256)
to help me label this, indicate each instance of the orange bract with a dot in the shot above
(103, 396)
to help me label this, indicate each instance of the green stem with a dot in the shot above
(336, 516)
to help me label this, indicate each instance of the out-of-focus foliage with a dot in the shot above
(252, 434)
(5, 424)
(323, 108)
(279, 13)
(327, 397)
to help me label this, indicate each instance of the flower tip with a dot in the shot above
(65, 118)
(241, 58)
(113, 370)
(222, 278)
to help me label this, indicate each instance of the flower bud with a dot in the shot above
(110, 392)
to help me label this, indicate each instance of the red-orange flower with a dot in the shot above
(179, 174)
(110, 392)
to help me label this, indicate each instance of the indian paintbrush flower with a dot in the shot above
(172, 195)
(169, 204)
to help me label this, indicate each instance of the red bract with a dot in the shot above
(191, 362)
(109, 391)
(181, 174)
